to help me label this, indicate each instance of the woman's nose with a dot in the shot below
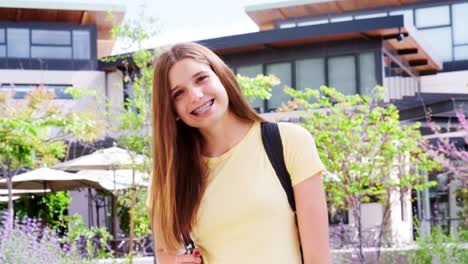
(196, 94)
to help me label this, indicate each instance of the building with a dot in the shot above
(57, 45)
(417, 49)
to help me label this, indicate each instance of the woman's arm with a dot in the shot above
(173, 258)
(312, 217)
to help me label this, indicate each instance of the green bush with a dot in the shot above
(91, 242)
(440, 248)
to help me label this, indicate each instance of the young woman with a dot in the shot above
(212, 180)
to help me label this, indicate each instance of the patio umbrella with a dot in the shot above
(55, 180)
(115, 180)
(24, 192)
(4, 199)
(103, 159)
(111, 159)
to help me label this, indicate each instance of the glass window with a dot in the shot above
(341, 19)
(50, 52)
(22, 89)
(310, 73)
(407, 15)
(18, 42)
(2, 35)
(342, 74)
(432, 16)
(370, 15)
(2, 51)
(288, 25)
(283, 72)
(440, 41)
(367, 72)
(252, 71)
(460, 23)
(461, 52)
(81, 44)
(58, 37)
(59, 90)
(312, 22)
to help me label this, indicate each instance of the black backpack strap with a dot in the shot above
(274, 148)
(189, 245)
(273, 145)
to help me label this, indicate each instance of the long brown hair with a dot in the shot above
(179, 172)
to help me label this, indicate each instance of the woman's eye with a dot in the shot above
(177, 94)
(201, 78)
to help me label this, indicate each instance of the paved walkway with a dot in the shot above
(144, 260)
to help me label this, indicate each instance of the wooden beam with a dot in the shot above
(309, 9)
(427, 72)
(84, 17)
(282, 13)
(407, 51)
(339, 6)
(394, 65)
(394, 36)
(420, 62)
(18, 15)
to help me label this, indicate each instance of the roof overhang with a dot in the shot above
(441, 106)
(265, 15)
(411, 50)
(77, 12)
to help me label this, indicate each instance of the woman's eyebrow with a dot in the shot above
(198, 73)
(193, 76)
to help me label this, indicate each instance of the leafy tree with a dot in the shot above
(257, 87)
(51, 208)
(440, 248)
(32, 132)
(134, 122)
(454, 159)
(365, 148)
(90, 242)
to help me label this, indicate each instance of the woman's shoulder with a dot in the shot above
(292, 130)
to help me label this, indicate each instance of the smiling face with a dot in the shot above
(200, 100)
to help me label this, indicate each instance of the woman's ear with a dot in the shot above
(177, 118)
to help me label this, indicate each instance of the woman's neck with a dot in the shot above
(224, 135)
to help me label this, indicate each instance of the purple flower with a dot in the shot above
(31, 242)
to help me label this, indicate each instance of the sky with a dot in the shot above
(190, 20)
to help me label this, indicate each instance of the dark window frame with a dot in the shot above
(378, 72)
(453, 33)
(51, 63)
(355, 55)
(325, 73)
(3, 43)
(4, 36)
(235, 70)
(429, 27)
(292, 76)
(388, 9)
(55, 85)
(52, 44)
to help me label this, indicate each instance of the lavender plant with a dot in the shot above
(89, 242)
(31, 242)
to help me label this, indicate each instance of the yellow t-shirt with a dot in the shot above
(244, 216)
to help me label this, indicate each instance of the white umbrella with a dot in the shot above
(24, 192)
(112, 159)
(102, 159)
(4, 199)
(54, 180)
(115, 180)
